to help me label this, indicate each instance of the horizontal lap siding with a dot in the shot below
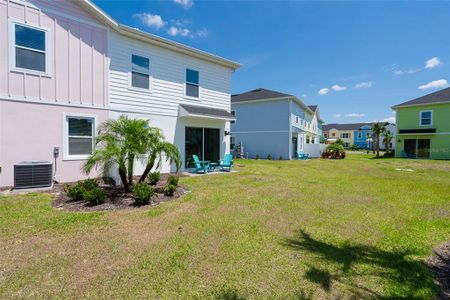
(167, 69)
(78, 55)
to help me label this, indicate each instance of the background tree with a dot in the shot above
(378, 129)
(122, 141)
(387, 139)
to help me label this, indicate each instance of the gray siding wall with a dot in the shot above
(262, 128)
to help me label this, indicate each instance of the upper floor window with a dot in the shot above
(233, 112)
(426, 118)
(359, 135)
(326, 135)
(140, 72)
(345, 135)
(29, 48)
(192, 83)
(333, 134)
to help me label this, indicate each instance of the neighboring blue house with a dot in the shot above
(274, 123)
(361, 135)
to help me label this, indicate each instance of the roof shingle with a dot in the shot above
(436, 97)
(257, 94)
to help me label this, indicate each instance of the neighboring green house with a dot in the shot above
(423, 126)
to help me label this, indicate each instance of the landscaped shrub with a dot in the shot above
(334, 151)
(75, 192)
(169, 190)
(354, 147)
(95, 196)
(142, 193)
(173, 180)
(257, 156)
(269, 157)
(154, 177)
(89, 184)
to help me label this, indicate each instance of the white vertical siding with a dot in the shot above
(167, 85)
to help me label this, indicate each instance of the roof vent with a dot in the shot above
(33, 174)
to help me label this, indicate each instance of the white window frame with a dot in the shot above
(65, 133)
(130, 72)
(232, 137)
(12, 49)
(185, 84)
(235, 121)
(431, 118)
(343, 137)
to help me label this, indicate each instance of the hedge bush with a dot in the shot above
(154, 177)
(173, 180)
(142, 193)
(75, 192)
(95, 196)
(169, 190)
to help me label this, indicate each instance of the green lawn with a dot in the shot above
(276, 229)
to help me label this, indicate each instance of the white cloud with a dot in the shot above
(304, 96)
(364, 85)
(403, 72)
(323, 91)
(338, 88)
(434, 84)
(175, 31)
(185, 3)
(389, 119)
(202, 33)
(355, 115)
(154, 21)
(432, 63)
(337, 116)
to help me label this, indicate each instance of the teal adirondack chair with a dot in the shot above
(302, 155)
(199, 166)
(226, 162)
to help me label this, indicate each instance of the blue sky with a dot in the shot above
(354, 59)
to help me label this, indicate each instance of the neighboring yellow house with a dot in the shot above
(333, 134)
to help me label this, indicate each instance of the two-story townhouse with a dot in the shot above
(358, 134)
(424, 126)
(274, 123)
(66, 67)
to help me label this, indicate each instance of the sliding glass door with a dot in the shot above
(203, 142)
(423, 148)
(418, 147)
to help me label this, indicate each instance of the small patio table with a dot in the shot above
(205, 165)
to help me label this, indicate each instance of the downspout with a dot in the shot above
(290, 130)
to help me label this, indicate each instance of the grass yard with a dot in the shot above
(276, 229)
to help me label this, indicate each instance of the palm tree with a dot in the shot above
(122, 141)
(157, 151)
(377, 129)
(387, 139)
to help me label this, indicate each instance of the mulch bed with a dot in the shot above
(117, 198)
(439, 266)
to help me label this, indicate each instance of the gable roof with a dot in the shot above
(441, 96)
(313, 107)
(349, 126)
(153, 39)
(258, 94)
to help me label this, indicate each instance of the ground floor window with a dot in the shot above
(203, 142)
(232, 142)
(346, 145)
(80, 133)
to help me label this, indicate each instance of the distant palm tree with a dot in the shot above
(122, 141)
(377, 129)
(387, 139)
